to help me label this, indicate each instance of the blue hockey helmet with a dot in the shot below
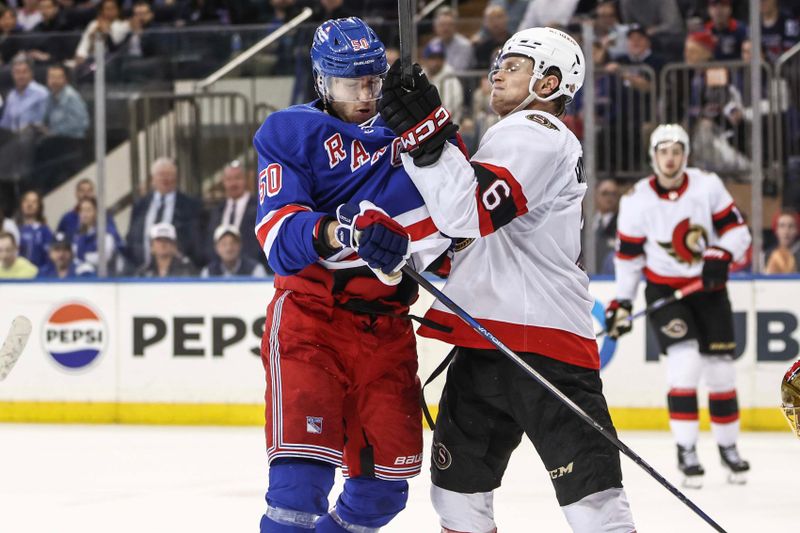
(347, 48)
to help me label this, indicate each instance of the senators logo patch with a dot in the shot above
(441, 456)
(542, 121)
(688, 242)
(675, 329)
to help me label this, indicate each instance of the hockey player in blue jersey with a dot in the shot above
(338, 349)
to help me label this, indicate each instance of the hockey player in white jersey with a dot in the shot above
(678, 226)
(516, 208)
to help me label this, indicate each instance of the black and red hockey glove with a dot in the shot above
(379, 240)
(618, 315)
(416, 115)
(716, 263)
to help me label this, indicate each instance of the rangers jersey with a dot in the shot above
(665, 232)
(518, 204)
(309, 163)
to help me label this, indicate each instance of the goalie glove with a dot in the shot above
(376, 237)
(416, 115)
(716, 262)
(618, 321)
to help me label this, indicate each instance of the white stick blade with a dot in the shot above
(14, 344)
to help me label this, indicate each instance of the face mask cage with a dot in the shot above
(353, 90)
(792, 414)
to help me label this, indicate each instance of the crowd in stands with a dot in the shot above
(170, 234)
(47, 48)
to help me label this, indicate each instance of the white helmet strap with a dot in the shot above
(532, 96)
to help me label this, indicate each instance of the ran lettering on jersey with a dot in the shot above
(358, 155)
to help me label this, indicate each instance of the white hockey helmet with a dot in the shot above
(548, 47)
(669, 133)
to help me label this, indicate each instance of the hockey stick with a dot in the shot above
(406, 20)
(679, 294)
(474, 324)
(14, 344)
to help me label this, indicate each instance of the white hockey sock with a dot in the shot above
(685, 432)
(723, 404)
(683, 375)
(606, 511)
(460, 512)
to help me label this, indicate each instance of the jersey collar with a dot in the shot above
(667, 194)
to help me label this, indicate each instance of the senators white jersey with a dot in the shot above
(665, 232)
(517, 203)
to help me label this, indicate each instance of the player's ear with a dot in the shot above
(549, 84)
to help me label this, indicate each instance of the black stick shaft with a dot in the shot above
(474, 324)
(406, 21)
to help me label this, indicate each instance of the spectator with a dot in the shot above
(457, 48)
(610, 33)
(29, 16)
(547, 13)
(165, 259)
(729, 33)
(22, 115)
(53, 19)
(639, 52)
(85, 241)
(662, 21)
(35, 235)
(714, 109)
(229, 260)
(7, 225)
(66, 115)
(60, 152)
(11, 265)
(49, 48)
(443, 77)
(515, 10)
(108, 24)
(70, 221)
(628, 106)
(62, 264)
(202, 12)
(784, 257)
(163, 204)
(144, 57)
(10, 44)
(495, 26)
(606, 200)
(140, 44)
(26, 103)
(779, 31)
(239, 209)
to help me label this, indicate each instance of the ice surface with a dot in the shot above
(135, 479)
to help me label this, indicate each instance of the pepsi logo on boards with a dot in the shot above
(74, 335)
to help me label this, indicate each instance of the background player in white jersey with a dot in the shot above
(678, 226)
(517, 205)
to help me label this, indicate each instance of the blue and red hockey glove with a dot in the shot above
(379, 240)
(416, 115)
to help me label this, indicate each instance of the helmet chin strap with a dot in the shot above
(532, 96)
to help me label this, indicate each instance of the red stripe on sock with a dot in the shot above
(725, 419)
